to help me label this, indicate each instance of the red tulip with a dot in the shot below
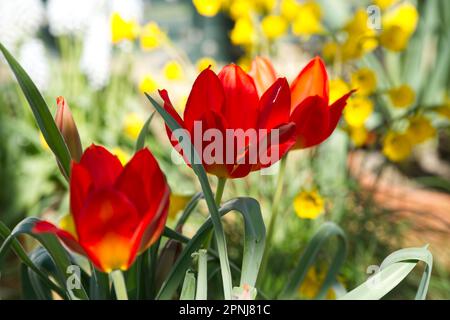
(229, 103)
(315, 119)
(118, 212)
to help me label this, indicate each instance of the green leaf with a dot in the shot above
(51, 244)
(254, 242)
(140, 142)
(21, 254)
(192, 204)
(309, 256)
(41, 113)
(219, 234)
(188, 291)
(32, 285)
(392, 271)
(202, 276)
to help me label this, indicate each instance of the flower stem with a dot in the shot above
(273, 217)
(119, 285)
(220, 188)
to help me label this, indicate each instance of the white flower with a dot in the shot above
(33, 58)
(96, 56)
(128, 9)
(19, 20)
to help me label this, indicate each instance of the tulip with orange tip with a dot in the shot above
(117, 211)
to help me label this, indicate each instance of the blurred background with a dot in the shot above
(384, 176)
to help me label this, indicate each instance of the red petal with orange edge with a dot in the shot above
(336, 111)
(206, 94)
(67, 238)
(106, 227)
(263, 73)
(312, 122)
(241, 98)
(275, 105)
(103, 166)
(80, 185)
(311, 81)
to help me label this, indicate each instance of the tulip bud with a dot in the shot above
(67, 127)
(167, 259)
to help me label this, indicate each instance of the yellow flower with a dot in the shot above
(66, 223)
(398, 26)
(173, 70)
(121, 154)
(394, 38)
(207, 8)
(420, 129)
(44, 143)
(360, 38)
(132, 125)
(307, 22)
(266, 5)
(177, 203)
(273, 26)
(309, 204)
(243, 32)
(312, 283)
(402, 96)
(245, 63)
(330, 50)
(358, 135)
(152, 36)
(338, 88)
(122, 29)
(241, 9)
(384, 4)
(148, 84)
(396, 146)
(444, 111)
(364, 80)
(290, 9)
(205, 62)
(358, 109)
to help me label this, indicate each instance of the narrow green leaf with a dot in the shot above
(192, 204)
(188, 291)
(140, 142)
(202, 276)
(309, 256)
(41, 113)
(392, 271)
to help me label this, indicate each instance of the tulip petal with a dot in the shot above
(263, 73)
(206, 94)
(142, 181)
(241, 98)
(80, 185)
(275, 105)
(67, 238)
(106, 227)
(311, 81)
(111, 167)
(312, 122)
(336, 111)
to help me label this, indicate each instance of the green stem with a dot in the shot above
(273, 217)
(119, 285)
(220, 188)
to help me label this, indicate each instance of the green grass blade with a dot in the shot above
(41, 113)
(202, 276)
(188, 291)
(140, 142)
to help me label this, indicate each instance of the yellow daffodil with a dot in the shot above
(384, 4)
(330, 50)
(241, 9)
(360, 38)
(358, 135)
(420, 129)
(173, 70)
(207, 8)
(205, 62)
(402, 96)
(132, 125)
(312, 283)
(309, 204)
(177, 203)
(123, 29)
(394, 38)
(307, 21)
(397, 146)
(398, 25)
(152, 36)
(364, 80)
(444, 111)
(121, 154)
(289, 9)
(338, 88)
(274, 26)
(358, 109)
(148, 84)
(243, 32)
